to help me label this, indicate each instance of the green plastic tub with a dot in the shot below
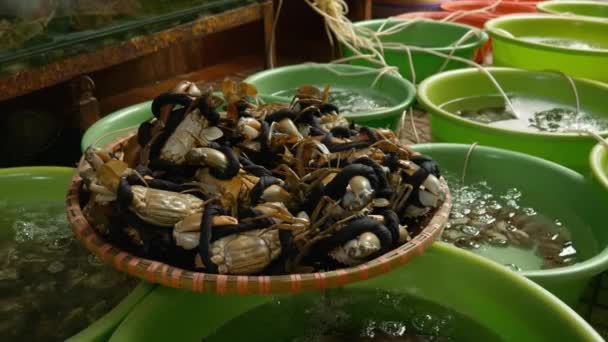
(115, 125)
(396, 91)
(599, 168)
(511, 306)
(36, 184)
(571, 150)
(587, 59)
(433, 35)
(595, 9)
(554, 191)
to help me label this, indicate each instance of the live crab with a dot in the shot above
(235, 186)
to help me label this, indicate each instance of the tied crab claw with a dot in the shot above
(357, 242)
(426, 193)
(242, 253)
(355, 184)
(182, 95)
(283, 130)
(154, 206)
(221, 160)
(427, 163)
(249, 128)
(269, 189)
(104, 175)
(187, 231)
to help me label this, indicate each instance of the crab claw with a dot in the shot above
(358, 241)
(222, 161)
(363, 246)
(187, 231)
(427, 163)
(266, 188)
(163, 104)
(96, 157)
(355, 184)
(359, 193)
(249, 128)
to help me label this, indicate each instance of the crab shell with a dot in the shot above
(355, 251)
(207, 156)
(163, 208)
(183, 139)
(359, 193)
(246, 253)
(187, 231)
(329, 121)
(430, 195)
(230, 190)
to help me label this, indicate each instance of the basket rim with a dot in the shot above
(175, 277)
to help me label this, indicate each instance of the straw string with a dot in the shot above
(467, 160)
(357, 38)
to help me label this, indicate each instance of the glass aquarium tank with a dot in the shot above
(38, 32)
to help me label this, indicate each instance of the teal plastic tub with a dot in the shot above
(499, 300)
(50, 184)
(594, 9)
(569, 149)
(395, 91)
(555, 192)
(520, 41)
(435, 36)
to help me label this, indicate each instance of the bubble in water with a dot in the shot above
(422, 322)
(469, 230)
(60, 243)
(513, 204)
(369, 329)
(94, 260)
(494, 205)
(513, 267)
(24, 231)
(513, 193)
(393, 328)
(486, 219)
(479, 209)
(456, 215)
(567, 251)
(480, 219)
(56, 267)
(349, 100)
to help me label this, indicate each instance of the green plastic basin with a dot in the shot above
(509, 49)
(598, 160)
(568, 149)
(115, 125)
(34, 184)
(397, 91)
(554, 191)
(594, 9)
(433, 35)
(510, 305)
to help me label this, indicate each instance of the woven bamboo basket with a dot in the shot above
(167, 275)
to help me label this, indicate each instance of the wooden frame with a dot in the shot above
(29, 80)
